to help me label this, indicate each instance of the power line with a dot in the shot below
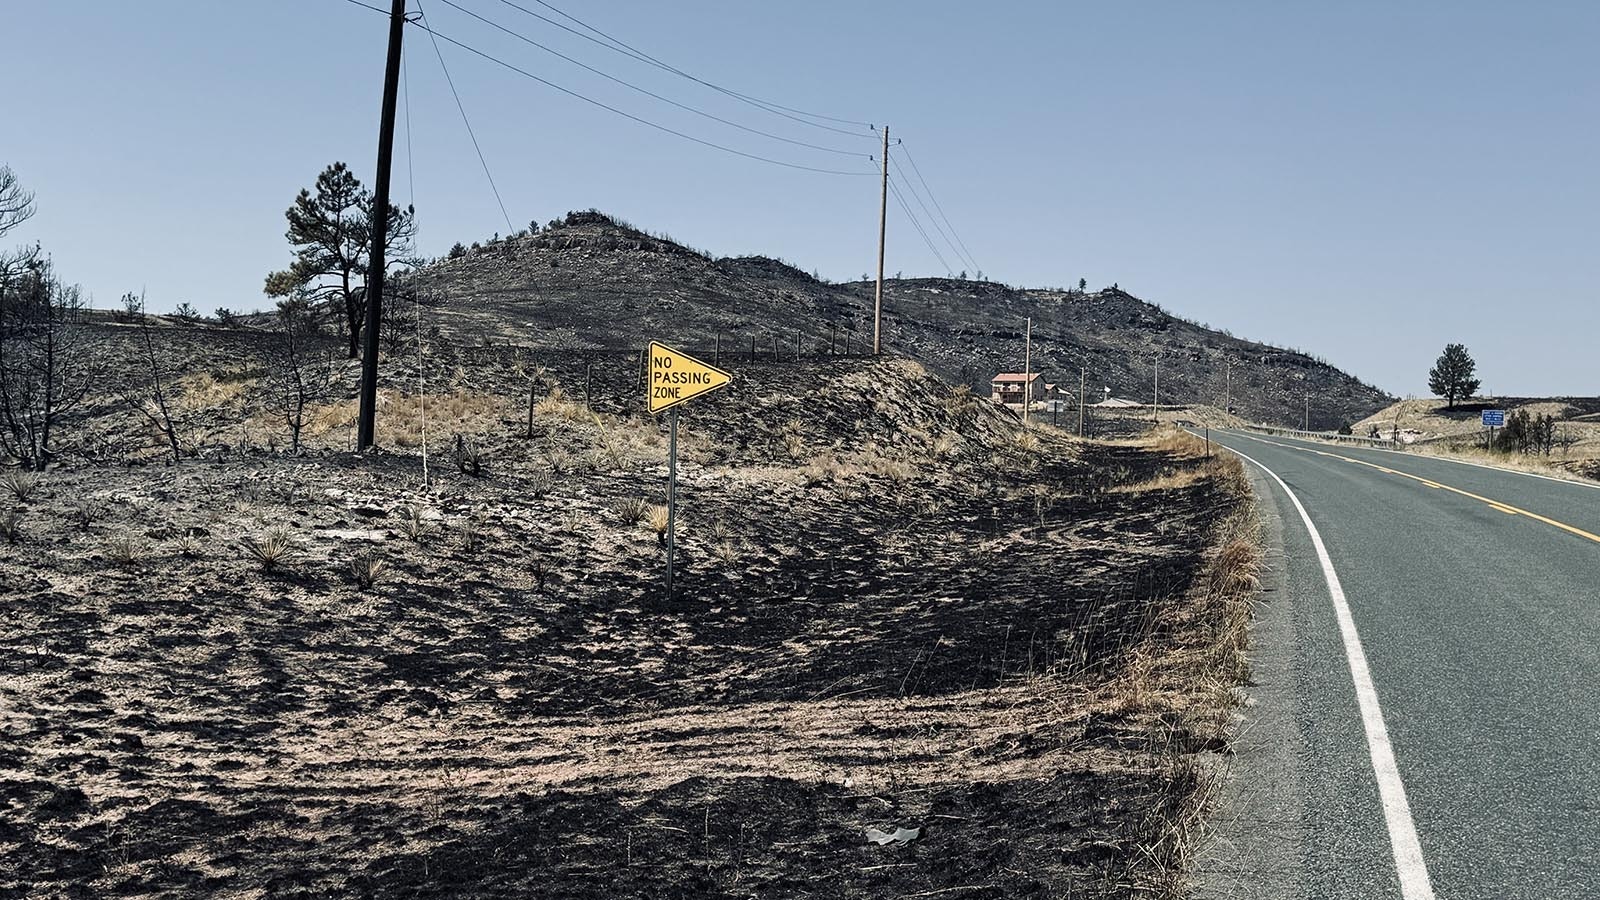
(627, 84)
(464, 119)
(910, 186)
(936, 205)
(894, 189)
(375, 9)
(626, 115)
(619, 46)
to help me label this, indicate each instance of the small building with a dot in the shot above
(1017, 388)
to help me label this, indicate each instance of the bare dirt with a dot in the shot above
(896, 609)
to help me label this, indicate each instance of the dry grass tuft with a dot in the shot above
(125, 550)
(660, 520)
(11, 525)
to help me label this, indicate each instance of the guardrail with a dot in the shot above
(1324, 436)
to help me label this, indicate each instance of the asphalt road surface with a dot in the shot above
(1424, 717)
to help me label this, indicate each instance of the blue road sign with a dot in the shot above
(1494, 418)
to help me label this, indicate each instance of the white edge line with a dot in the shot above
(1408, 861)
(1419, 454)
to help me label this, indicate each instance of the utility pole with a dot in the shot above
(1083, 378)
(366, 427)
(1308, 412)
(1155, 403)
(883, 222)
(367, 420)
(1227, 389)
(1027, 364)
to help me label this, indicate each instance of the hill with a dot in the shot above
(592, 284)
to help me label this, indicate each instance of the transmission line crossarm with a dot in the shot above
(366, 428)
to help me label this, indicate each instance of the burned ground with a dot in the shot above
(896, 608)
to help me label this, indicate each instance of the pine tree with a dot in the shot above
(331, 231)
(1452, 377)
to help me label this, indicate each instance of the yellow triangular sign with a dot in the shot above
(676, 377)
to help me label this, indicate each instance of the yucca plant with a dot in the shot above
(271, 549)
(21, 483)
(189, 546)
(367, 569)
(632, 510)
(413, 525)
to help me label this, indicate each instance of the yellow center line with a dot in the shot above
(1491, 503)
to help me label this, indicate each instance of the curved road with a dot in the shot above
(1444, 739)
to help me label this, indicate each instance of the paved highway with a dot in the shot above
(1424, 718)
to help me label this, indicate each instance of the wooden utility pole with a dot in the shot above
(1307, 424)
(883, 222)
(1227, 390)
(367, 426)
(1027, 363)
(1083, 379)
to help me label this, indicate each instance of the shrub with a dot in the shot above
(272, 549)
(85, 513)
(11, 526)
(468, 458)
(538, 483)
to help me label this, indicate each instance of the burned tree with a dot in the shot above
(145, 391)
(302, 369)
(45, 367)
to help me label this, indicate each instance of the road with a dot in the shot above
(1444, 739)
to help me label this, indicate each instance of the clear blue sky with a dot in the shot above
(1363, 180)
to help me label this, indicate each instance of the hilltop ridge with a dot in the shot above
(593, 283)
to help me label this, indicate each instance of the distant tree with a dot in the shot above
(226, 317)
(458, 251)
(533, 227)
(980, 274)
(899, 275)
(1452, 376)
(331, 231)
(46, 365)
(132, 306)
(186, 312)
(1083, 284)
(301, 367)
(962, 275)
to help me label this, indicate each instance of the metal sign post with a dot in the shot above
(674, 378)
(672, 497)
(1492, 419)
